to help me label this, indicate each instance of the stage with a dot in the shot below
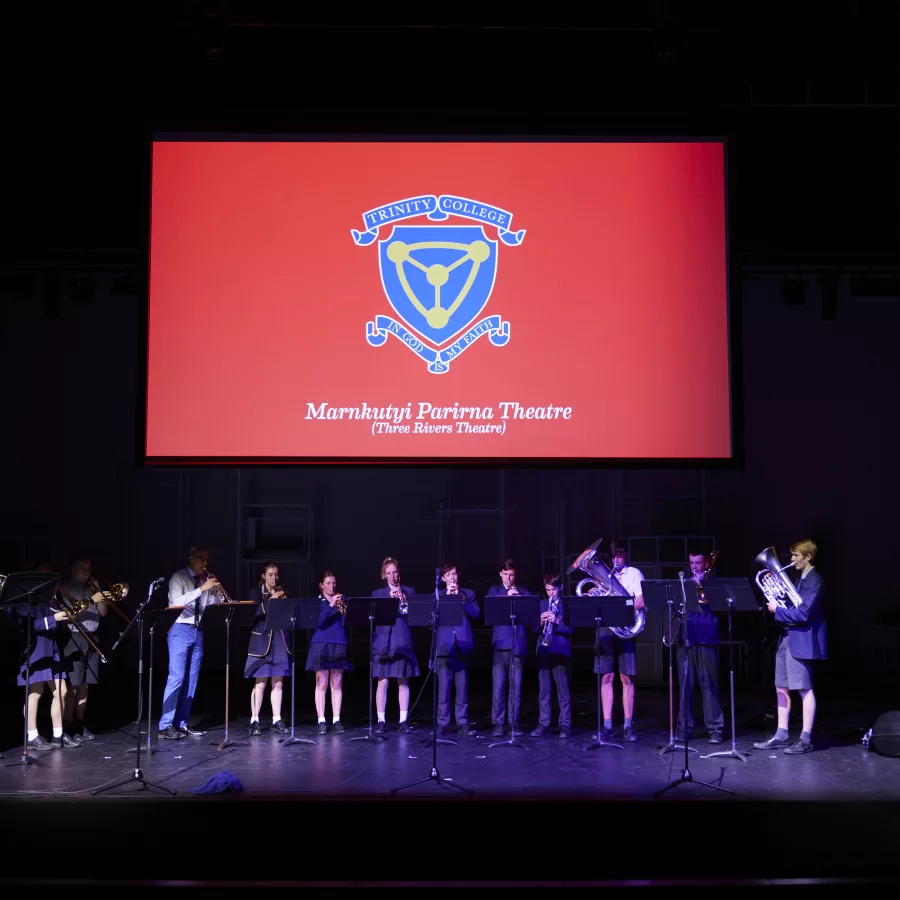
(825, 815)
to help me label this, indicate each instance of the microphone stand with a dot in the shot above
(434, 775)
(686, 775)
(137, 774)
(672, 746)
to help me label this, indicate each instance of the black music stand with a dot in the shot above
(686, 775)
(375, 611)
(293, 613)
(596, 613)
(667, 594)
(522, 611)
(245, 608)
(36, 589)
(137, 774)
(151, 747)
(442, 612)
(729, 594)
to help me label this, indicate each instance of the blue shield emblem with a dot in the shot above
(438, 278)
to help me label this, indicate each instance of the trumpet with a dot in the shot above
(64, 608)
(341, 605)
(218, 590)
(403, 605)
(547, 633)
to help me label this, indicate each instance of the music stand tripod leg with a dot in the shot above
(137, 774)
(599, 735)
(733, 753)
(226, 742)
(513, 740)
(370, 737)
(293, 739)
(434, 775)
(28, 760)
(686, 776)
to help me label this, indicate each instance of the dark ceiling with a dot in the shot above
(806, 93)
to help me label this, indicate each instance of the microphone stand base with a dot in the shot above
(733, 753)
(373, 738)
(434, 776)
(671, 747)
(688, 778)
(512, 742)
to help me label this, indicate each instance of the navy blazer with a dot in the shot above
(398, 635)
(459, 636)
(502, 637)
(46, 636)
(330, 629)
(701, 626)
(560, 643)
(807, 621)
(260, 637)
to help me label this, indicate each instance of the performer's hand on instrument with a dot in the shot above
(60, 616)
(638, 602)
(771, 606)
(279, 593)
(209, 584)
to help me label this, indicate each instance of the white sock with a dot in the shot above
(380, 717)
(276, 719)
(321, 720)
(57, 732)
(32, 734)
(254, 720)
(402, 716)
(334, 720)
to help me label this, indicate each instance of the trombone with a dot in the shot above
(115, 594)
(64, 607)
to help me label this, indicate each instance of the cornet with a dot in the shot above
(403, 605)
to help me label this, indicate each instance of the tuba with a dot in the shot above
(772, 581)
(605, 585)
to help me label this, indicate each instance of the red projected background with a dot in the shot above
(448, 300)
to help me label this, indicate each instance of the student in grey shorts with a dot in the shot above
(802, 641)
(611, 648)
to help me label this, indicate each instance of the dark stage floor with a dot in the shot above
(827, 814)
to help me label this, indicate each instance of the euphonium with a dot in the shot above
(547, 633)
(772, 581)
(605, 585)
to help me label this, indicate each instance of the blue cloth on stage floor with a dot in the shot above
(220, 783)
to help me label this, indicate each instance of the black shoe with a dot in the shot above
(800, 746)
(605, 734)
(65, 741)
(280, 727)
(170, 733)
(563, 734)
(406, 728)
(337, 728)
(379, 728)
(76, 737)
(86, 735)
(464, 729)
(498, 731)
(186, 730)
(41, 743)
(540, 731)
(715, 737)
(255, 729)
(442, 729)
(771, 743)
(630, 734)
(322, 728)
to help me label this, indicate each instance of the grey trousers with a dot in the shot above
(449, 671)
(558, 673)
(703, 669)
(501, 684)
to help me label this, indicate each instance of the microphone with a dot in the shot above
(158, 582)
(681, 575)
